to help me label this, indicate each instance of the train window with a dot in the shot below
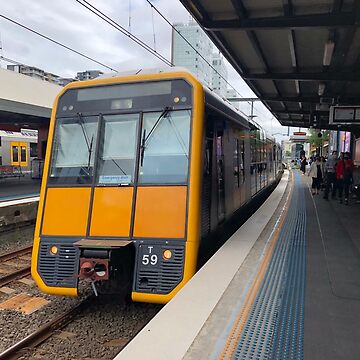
(73, 150)
(118, 149)
(15, 154)
(242, 161)
(220, 173)
(165, 147)
(1, 161)
(236, 163)
(23, 153)
(33, 150)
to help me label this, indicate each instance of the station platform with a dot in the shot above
(286, 285)
(19, 188)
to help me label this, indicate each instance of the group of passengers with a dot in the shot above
(335, 174)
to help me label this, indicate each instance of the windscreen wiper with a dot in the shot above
(81, 122)
(145, 138)
(89, 144)
(113, 160)
(178, 136)
(90, 151)
(163, 114)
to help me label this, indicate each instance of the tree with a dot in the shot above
(314, 139)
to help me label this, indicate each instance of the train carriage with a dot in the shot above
(18, 149)
(141, 169)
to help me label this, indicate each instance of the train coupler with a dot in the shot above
(94, 269)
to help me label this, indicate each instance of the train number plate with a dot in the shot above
(150, 255)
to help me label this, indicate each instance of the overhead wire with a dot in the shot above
(120, 28)
(57, 43)
(187, 41)
(127, 33)
(197, 52)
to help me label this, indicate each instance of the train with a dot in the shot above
(140, 170)
(17, 149)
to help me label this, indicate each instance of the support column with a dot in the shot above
(43, 131)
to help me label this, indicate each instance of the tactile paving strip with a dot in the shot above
(274, 327)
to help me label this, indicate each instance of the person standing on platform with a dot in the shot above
(348, 176)
(316, 172)
(330, 171)
(344, 175)
(303, 164)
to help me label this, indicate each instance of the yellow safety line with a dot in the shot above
(243, 315)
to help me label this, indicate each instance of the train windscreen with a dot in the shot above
(123, 134)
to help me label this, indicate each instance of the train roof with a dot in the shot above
(24, 134)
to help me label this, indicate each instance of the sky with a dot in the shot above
(73, 25)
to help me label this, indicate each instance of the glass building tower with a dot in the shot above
(182, 54)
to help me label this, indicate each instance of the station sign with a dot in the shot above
(344, 115)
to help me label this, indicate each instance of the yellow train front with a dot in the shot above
(138, 170)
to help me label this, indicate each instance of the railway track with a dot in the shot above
(31, 341)
(19, 273)
(16, 253)
(15, 275)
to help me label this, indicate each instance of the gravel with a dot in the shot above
(15, 238)
(15, 325)
(98, 332)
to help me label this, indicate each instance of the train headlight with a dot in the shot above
(54, 250)
(167, 254)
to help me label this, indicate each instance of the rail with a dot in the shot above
(44, 332)
(13, 254)
(18, 274)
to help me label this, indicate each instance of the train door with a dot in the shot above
(207, 180)
(19, 153)
(253, 165)
(220, 166)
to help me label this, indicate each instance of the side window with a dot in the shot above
(236, 163)
(15, 153)
(33, 150)
(242, 161)
(23, 153)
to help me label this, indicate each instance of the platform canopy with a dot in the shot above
(298, 56)
(25, 101)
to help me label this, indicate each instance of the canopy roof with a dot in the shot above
(298, 56)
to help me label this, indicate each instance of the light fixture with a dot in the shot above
(167, 254)
(54, 250)
(321, 89)
(328, 52)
